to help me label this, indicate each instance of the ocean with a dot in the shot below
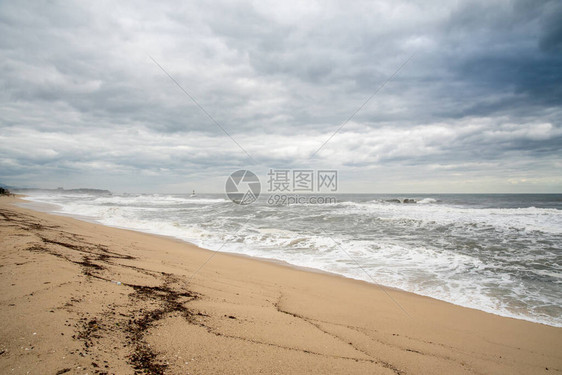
(497, 253)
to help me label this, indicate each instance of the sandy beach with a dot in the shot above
(80, 298)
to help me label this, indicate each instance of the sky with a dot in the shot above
(397, 96)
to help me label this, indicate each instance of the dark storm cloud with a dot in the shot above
(81, 97)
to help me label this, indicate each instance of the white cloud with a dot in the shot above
(81, 98)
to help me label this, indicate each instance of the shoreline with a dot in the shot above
(89, 219)
(236, 314)
(280, 262)
(49, 208)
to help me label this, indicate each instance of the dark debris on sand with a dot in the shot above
(143, 359)
(94, 259)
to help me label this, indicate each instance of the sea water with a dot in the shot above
(497, 253)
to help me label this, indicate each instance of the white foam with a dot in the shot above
(426, 201)
(155, 200)
(547, 220)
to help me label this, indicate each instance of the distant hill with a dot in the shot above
(61, 190)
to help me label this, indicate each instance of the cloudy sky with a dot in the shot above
(465, 96)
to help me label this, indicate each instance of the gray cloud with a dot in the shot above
(82, 103)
